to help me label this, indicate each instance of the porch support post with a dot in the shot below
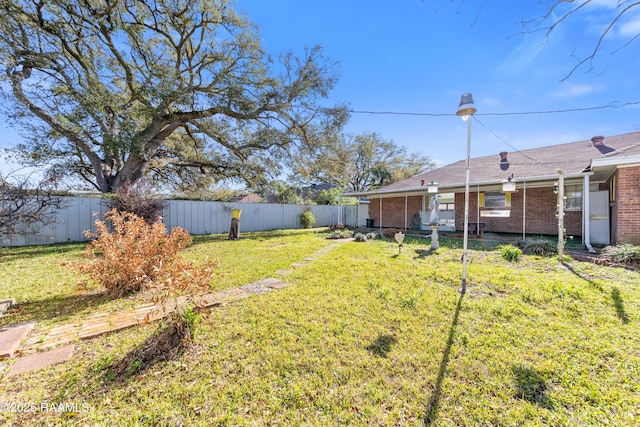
(380, 225)
(560, 215)
(586, 214)
(524, 210)
(405, 211)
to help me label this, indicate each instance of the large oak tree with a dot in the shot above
(357, 163)
(180, 90)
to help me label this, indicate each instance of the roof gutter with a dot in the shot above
(444, 187)
(615, 161)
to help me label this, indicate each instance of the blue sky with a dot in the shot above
(413, 56)
(420, 56)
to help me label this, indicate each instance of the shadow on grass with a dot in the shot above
(382, 345)
(14, 253)
(531, 386)
(618, 303)
(166, 344)
(616, 297)
(250, 235)
(58, 307)
(584, 277)
(423, 253)
(434, 402)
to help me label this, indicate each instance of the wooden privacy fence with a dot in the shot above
(78, 214)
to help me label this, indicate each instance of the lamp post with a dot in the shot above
(466, 109)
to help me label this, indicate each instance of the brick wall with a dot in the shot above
(627, 206)
(393, 211)
(541, 213)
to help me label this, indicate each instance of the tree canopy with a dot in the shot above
(357, 163)
(110, 91)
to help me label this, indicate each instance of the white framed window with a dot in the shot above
(494, 200)
(573, 197)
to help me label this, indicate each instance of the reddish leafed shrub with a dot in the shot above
(136, 256)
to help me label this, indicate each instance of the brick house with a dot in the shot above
(601, 187)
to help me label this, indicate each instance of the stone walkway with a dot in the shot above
(56, 345)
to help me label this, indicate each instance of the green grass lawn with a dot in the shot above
(364, 336)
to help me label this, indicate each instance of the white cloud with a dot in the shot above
(574, 90)
(522, 56)
(630, 28)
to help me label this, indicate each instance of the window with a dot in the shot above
(446, 202)
(573, 197)
(494, 200)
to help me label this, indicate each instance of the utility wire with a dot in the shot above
(611, 105)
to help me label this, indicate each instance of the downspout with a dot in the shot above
(586, 214)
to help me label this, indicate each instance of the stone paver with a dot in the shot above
(256, 288)
(5, 304)
(40, 360)
(12, 336)
(232, 294)
(278, 285)
(283, 272)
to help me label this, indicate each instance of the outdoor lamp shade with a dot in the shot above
(432, 187)
(509, 186)
(466, 107)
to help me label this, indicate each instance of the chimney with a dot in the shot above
(504, 162)
(597, 140)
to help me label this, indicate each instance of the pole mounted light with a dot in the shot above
(509, 185)
(466, 109)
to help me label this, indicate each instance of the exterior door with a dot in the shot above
(599, 217)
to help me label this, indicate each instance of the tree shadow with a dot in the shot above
(56, 307)
(618, 303)
(199, 239)
(584, 277)
(165, 344)
(424, 253)
(8, 254)
(382, 345)
(531, 386)
(434, 402)
(616, 297)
